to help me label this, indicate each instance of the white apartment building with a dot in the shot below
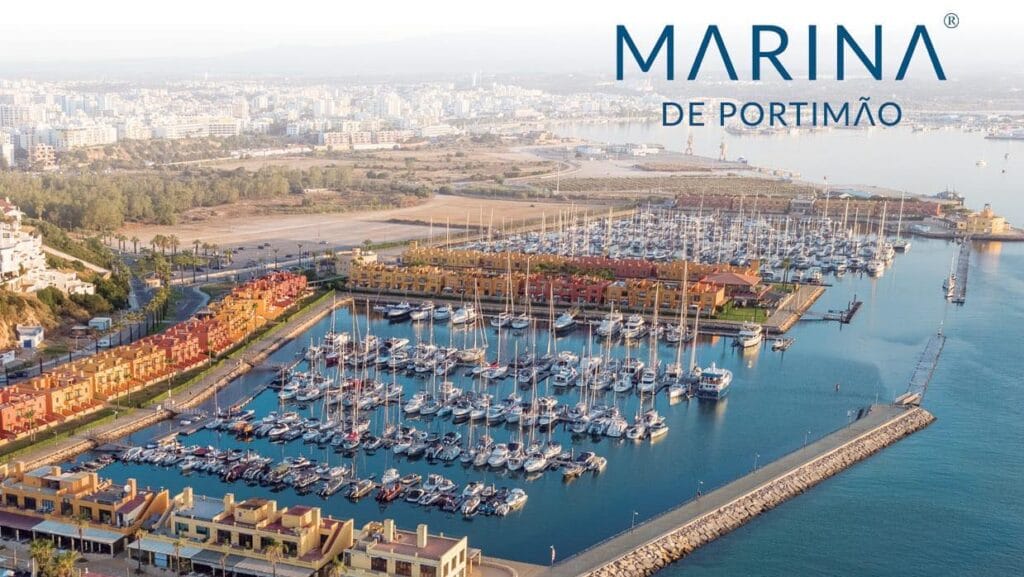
(22, 262)
(70, 138)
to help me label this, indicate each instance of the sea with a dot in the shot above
(945, 501)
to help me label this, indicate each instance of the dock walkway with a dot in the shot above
(664, 525)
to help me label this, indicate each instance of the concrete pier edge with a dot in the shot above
(634, 554)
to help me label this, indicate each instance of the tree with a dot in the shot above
(140, 534)
(63, 565)
(81, 521)
(41, 551)
(335, 568)
(273, 551)
(135, 244)
(177, 556)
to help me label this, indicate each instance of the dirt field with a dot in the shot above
(320, 232)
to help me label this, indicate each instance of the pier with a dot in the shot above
(673, 535)
(963, 263)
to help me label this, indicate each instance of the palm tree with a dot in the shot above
(41, 551)
(273, 550)
(31, 416)
(174, 242)
(63, 565)
(335, 568)
(177, 556)
(135, 244)
(80, 522)
(140, 534)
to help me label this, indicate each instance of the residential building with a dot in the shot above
(30, 336)
(77, 511)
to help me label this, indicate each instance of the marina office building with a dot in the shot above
(250, 538)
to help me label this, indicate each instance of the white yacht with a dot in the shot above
(634, 328)
(610, 325)
(464, 315)
(750, 335)
(713, 382)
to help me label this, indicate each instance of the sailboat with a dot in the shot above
(900, 244)
(949, 285)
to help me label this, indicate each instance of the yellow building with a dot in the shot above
(76, 510)
(381, 549)
(208, 529)
(985, 222)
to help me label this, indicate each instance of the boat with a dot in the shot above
(610, 325)
(713, 382)
(782, 344)
(635, 327)
(442, 313)
(750, 335)
(657, 430)
(520, 322)
(464, 315)
(422, 312)
(399, 312)
(390, 476)
(565, 322)
(360, 489)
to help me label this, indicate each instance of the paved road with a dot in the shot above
(671, 520)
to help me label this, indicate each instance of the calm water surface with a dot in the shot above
(947, 501)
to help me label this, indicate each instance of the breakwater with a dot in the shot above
(675, 534)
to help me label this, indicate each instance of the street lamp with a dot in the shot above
(632, 523)
(806, 435)
(700, 485)
(756, 457)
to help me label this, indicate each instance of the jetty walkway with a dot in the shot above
(674, 534)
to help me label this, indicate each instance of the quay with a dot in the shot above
(779, 322)
(215, 378)
(676, 533)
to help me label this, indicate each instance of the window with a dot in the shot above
(223, 537)
(48, 506)
(403, 568)
(11, 500)
(379, 564)
(428, 571)
(30, 503)
(180, 527)
(204, 531)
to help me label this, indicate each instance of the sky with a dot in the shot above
(520, 35)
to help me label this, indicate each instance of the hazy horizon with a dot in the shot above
(191, 39)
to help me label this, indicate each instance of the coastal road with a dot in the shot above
(627, 541)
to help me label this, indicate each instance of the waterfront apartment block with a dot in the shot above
(382, 550)
(566, 289)
(246, 530)
(82, 385)
(210, 535)
(75, 509)
(617, 268)
(249, 538)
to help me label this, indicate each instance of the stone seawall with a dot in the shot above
(675, 545)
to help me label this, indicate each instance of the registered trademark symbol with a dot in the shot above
(951, 20)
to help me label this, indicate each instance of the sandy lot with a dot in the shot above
(319, 232)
